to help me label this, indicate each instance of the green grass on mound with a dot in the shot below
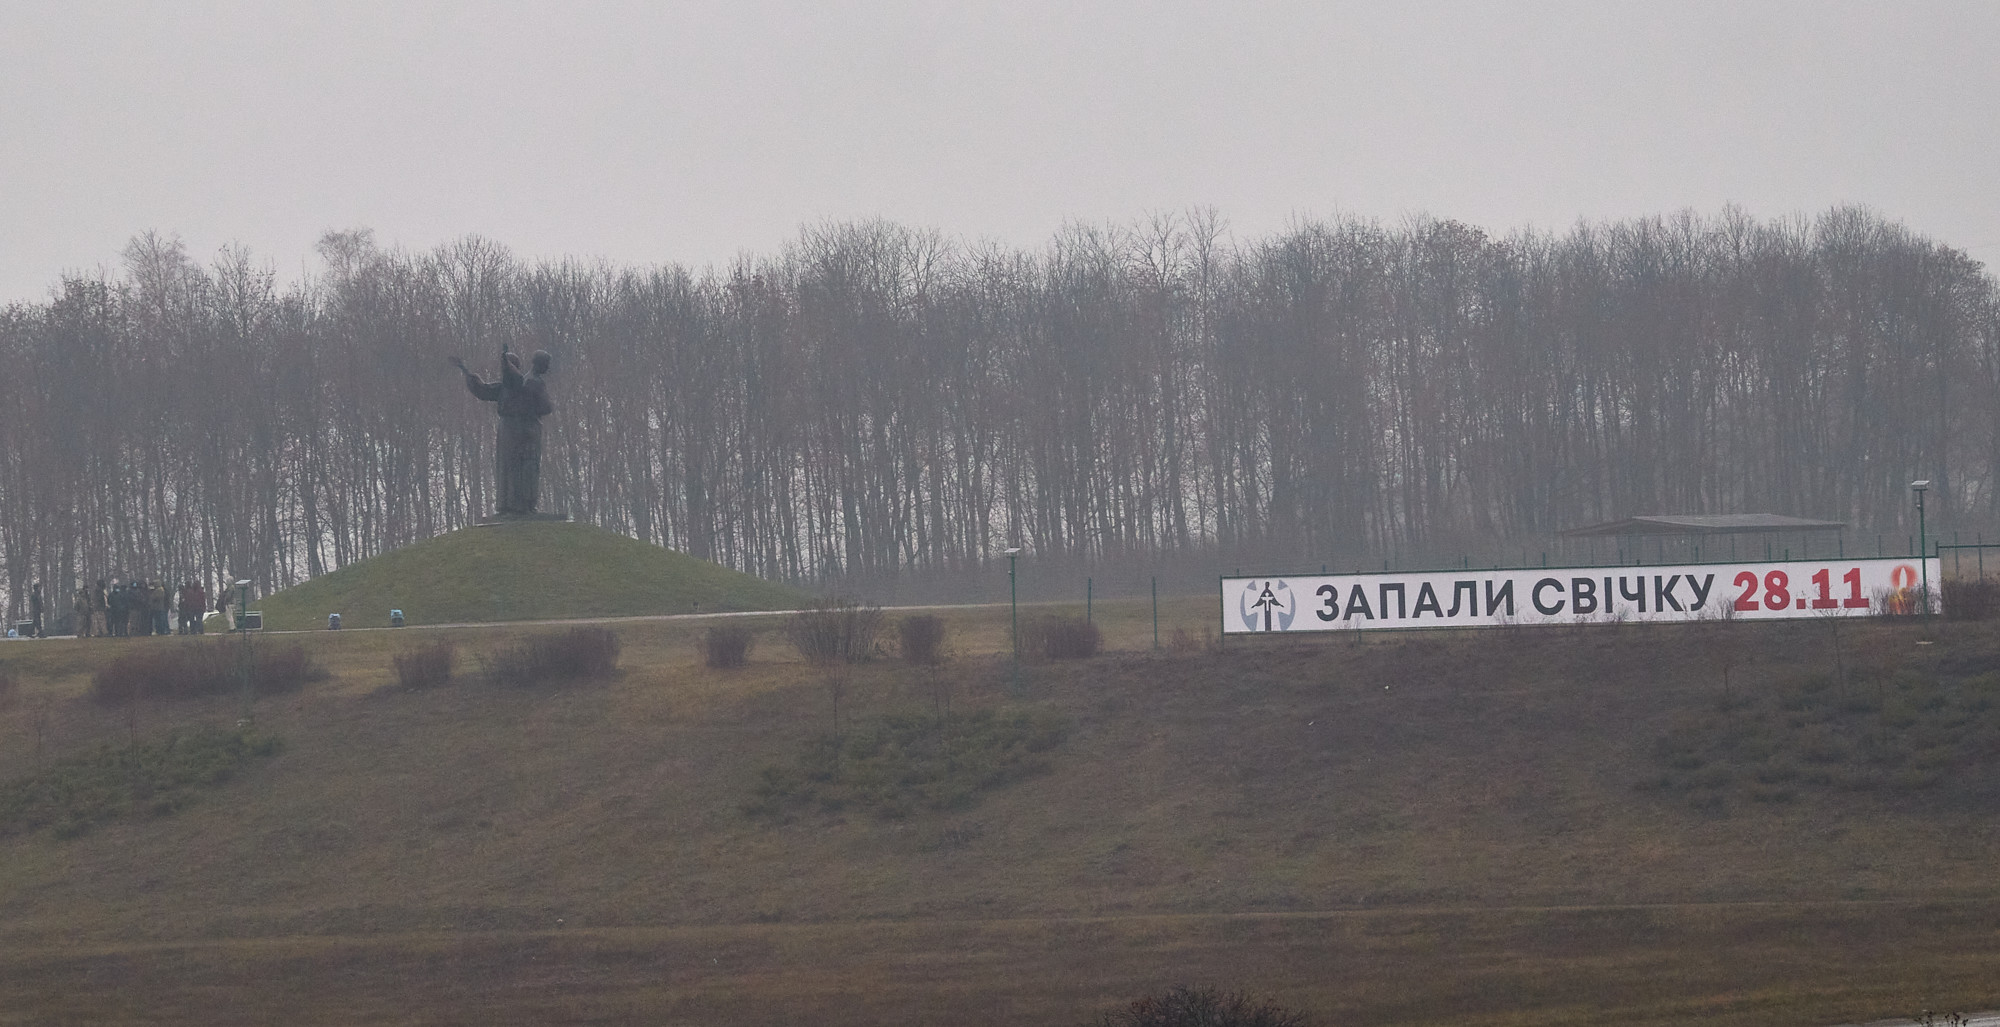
(523, 571)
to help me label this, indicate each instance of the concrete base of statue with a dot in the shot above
(518, 518)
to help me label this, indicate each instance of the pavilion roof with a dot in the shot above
(1706, 524)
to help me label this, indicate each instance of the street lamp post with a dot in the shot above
(1014, 615)
(1923, 548)
(243, 659)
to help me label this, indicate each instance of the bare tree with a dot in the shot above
(874, 400)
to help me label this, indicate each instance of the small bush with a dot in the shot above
(834, 631)
(1971, 600)
(1184, 642)
(1201, 1007)
(1061, 638)
(281, 669)
(1898, 602)
(923, 639)
(148, 777)
(186, 671)
(728, 645)
(426, 666)
(578, 654)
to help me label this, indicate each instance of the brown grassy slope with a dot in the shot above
(1407, 829)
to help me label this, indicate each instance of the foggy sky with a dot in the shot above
(646, 132)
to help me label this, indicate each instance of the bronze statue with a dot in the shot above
(517, 450)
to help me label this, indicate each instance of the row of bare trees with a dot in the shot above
(878, 400)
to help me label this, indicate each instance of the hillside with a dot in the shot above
(533, 570)
(1531, 826)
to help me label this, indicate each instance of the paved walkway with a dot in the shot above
(613, 620)
(1986, 1019)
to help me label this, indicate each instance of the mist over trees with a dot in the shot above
(879, 400)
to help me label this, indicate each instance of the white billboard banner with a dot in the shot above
(1575, 595)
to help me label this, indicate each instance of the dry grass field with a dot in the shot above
(1543, 826)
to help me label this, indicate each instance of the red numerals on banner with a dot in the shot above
(1747, 581)
(1776, 596)
(1855, 600)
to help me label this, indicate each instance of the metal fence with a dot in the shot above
(1967, 560)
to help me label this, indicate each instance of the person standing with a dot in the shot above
(139, 609)
(80, 609)
(199, 618)
(163, 609)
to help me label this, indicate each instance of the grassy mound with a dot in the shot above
(532, 570)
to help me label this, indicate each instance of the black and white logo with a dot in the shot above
(1266, 605)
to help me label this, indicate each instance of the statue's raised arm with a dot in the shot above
(479, 387)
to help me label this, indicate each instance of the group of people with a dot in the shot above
(139, 608)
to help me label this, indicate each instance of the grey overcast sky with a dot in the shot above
(691, 132)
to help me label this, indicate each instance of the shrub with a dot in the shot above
(1201, 1007)
(1061, 638)
(836, 690)
(728, 645)
(923, 639)
(578, 654)
(834, 631)
(1897, 602)
(186, 671)
(1183, 641)
(281, 669)
(1970, 600)
(426, 666)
